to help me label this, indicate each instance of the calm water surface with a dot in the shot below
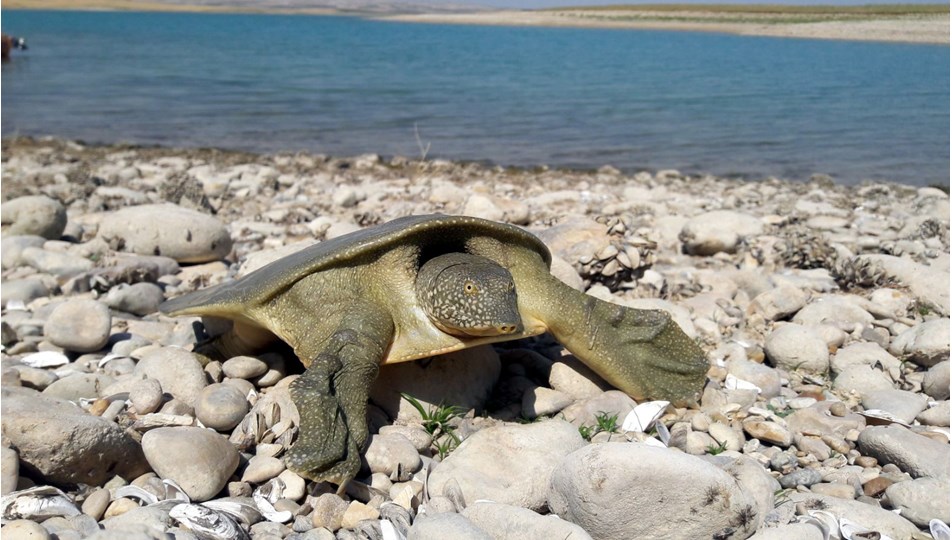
(697, 102)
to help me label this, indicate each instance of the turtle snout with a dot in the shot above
(506, 329)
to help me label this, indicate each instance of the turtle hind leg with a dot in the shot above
(331, 397)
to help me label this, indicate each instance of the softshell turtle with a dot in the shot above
(417, 287)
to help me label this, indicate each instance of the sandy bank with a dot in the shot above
(926, 28)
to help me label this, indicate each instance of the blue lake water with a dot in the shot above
(697, 102)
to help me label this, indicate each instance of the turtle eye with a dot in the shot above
(470, 287)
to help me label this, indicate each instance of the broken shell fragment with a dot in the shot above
(207, 524)
(643, 416)
(241, 509)
(37, 504)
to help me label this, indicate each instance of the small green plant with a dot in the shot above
(782, 413)
(716, 449)
(438, 423)
(606, 422)
(603, 422)
(444, 446)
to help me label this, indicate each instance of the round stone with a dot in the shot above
(138, 299)
(79, 325)
(221, 406)
(393, 455)
(24, 529)
(794, 347)
(198, 459)
(260, 469)
(146, 396)
(801, 477)
(178, 371)
(96, 503)
(244, 367)
(37, 215)
(166, 229)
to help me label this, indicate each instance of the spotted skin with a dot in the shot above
(467, 295)
(392, 294)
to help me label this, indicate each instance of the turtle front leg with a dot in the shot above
(331, 398)
(643, 353)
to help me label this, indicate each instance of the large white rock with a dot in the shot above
(463, 378)
(915, 454)
(837, 310)
(166, 229)
(633, 490)
(866, 515)
(921, 500)
(793, 347)
(198, 459)
(508, 464)
(65, 444)
(718, 231)
(504, 522)
(35, 214)
(926, 344)
(929, 284)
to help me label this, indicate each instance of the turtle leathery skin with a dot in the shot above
(350, 304)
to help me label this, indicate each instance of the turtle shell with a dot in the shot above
(435, 234)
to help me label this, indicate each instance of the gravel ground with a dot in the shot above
(823, 311)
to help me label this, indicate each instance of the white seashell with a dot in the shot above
(610, 268)
(397, 517)
(623, 259)
(634, 256)
(733, 383)
(241, 511)
(16, 305)
(265, 497)
(651, 441)
(850, 530)
(663, 433)
(643, 416)
(37, 504)
(389, 531)
(877, 417)
(943, 430)
(207, 524)
(44, 359)
(824, 521)
(174, 492)
(607, 252)
(939, 530)
(110, 357)
(137, 493)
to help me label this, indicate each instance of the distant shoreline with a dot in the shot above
(927, 24)
(920, 28)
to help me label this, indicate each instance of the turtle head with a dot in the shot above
(468, 296)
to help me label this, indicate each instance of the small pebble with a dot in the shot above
(260, 469)
(24, 529)
(96, 503)
(244, 367)
(79, 325)
(146, 396)
(221, 406)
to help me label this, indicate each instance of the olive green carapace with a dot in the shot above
(350, 304)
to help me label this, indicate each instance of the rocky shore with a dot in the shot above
(823, 311)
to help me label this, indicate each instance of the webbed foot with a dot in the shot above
(331, 398)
